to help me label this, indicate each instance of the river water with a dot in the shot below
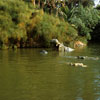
(25, 74)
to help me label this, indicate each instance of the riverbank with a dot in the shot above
(24, 26)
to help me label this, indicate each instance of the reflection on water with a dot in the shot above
(25, 74)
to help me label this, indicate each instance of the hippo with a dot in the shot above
(81, 57)
(77, 64)
(43, 52)
(86, 57)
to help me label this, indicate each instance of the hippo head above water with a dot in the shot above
(43, 52)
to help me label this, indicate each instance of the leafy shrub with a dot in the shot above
(84, 19)
(14, 16)
(22, 25)
(50, 27)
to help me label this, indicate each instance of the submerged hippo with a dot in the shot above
(83, 57)
(86, 57)
(43, 52)
(77, 64)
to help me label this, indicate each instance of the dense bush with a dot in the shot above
(14, 16)
(22, 25)
(50, 27)
(84, 19)
(96, 31)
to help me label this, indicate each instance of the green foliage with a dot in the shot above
(14, 16)
(76, 3)
(50, 27)
(85, 19)
(98, 7)
(96, 33)
(23, 25)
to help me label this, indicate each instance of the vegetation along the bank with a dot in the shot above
(33, 23)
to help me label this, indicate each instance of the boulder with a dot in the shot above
(60, 46)
(55, 41)
(68, 49)
(79, 44)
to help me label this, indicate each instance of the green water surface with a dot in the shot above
(25, 74)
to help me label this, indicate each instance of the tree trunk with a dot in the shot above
(33, 2)
(39, 3)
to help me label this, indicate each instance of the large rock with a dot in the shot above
(60, 46)
(64, 48)
(68, 49)
(79, 44)
(55, 41)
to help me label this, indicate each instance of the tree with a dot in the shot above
(33, 2)
(77, 2)
(96, 31)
